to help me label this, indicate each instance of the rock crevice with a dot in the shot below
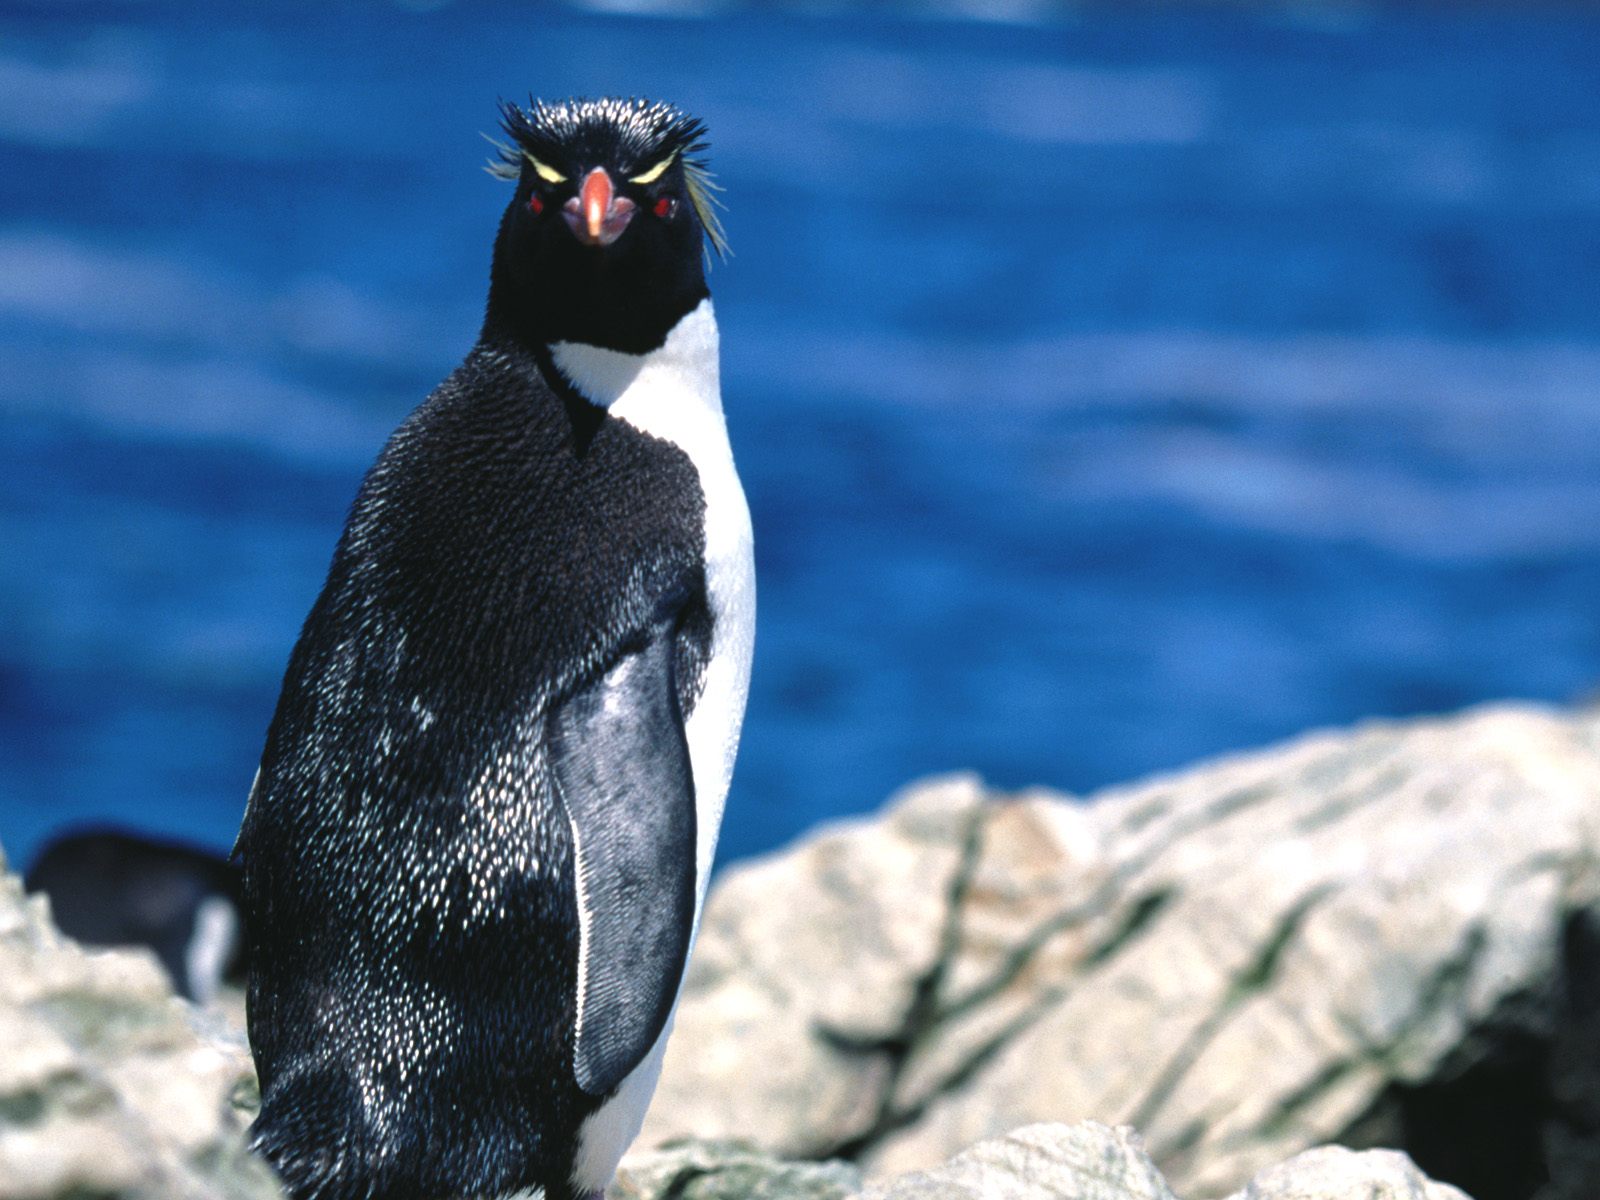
(1387, 937)
(1241, 960)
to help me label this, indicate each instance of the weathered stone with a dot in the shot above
(1039, 1162)
(729, 1171)
(1241, 960)
(801, 968)
(1389, 936)
(1334, 1173)
(1086, 1161)
(107, 1085)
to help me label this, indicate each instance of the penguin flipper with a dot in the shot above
(621, 766)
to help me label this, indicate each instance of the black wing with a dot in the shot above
(622, 771)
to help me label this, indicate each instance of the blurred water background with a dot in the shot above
(1112, 386)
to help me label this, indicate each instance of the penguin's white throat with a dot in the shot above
(685, 363)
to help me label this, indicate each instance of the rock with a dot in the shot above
(1334, 1173)
(109, 1084)
(1385, 936)
(1355, 936)
(1086, 1161)
(1039, 1162)
(729, 1171)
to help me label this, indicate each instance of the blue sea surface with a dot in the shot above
(1110, 390)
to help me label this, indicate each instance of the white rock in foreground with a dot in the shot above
(1334, 1173)
(1086, 1161)
(1241, 960)
(107, 1087)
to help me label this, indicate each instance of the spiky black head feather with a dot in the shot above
(644, 129)
(552, 286)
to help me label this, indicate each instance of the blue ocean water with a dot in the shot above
(1111, 389)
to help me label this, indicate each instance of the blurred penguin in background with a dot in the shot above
(113, 888)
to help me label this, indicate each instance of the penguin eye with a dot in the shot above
(535, 205)
(665, 207)
(546, 172)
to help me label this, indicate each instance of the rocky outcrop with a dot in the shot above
(1087, 1161)
(1335, 1173)
(730, 1171)
(109, 1085)
(1382, 937)
(1038, 1162)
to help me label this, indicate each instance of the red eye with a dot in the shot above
(665, 206)
(535, 205)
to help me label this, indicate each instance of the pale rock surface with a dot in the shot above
(729, 1171)
(1334, 1173)
(1242, 961)
(1086, 1161)
(1039, 1162)
(1239, 960)
(108, 1085)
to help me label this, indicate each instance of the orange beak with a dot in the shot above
(597, 215)
(596, 197)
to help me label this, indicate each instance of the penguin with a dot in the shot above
(112, 887)
(477, 848)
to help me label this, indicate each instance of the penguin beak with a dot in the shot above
(597, 215)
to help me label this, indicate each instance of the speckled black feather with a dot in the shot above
(413, 938)
(408, 861)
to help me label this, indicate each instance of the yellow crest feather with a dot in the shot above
(655, 172)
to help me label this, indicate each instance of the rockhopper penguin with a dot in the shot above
(477, 849)
(113, 887)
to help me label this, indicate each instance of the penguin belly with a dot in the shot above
(674, 394)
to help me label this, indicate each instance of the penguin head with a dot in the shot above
(613, 220)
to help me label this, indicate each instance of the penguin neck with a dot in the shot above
(646, 389)
(543, 292)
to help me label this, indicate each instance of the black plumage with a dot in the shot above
(516, 566)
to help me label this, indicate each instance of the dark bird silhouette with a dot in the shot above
(478, 845)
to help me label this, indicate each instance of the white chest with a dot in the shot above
(674, 394)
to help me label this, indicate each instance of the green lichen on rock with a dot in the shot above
(730, 1171)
